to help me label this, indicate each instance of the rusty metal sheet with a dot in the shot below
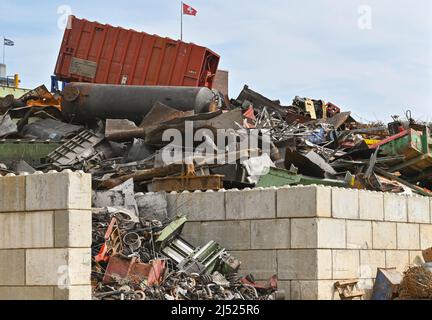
(156, 272)
(211, 120)
(292, 117)
(427, 255)
(113, 242)
(142, 175)
(40, 97)
(132, 270)
(160, 113)
(122, 130)
(190, 183)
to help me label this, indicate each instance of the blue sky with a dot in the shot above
(311, 48)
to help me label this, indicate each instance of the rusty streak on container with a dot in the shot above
(100, 53)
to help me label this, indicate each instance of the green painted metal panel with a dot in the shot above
(280, 177)
(33, 152)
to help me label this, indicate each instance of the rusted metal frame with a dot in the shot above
(141, 175)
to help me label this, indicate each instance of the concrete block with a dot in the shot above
(327, 291)
(345, 203)
(26, 293)
(270, 234)
(313, 290)
(304, 290)
(418, 209)
(251, 204)
(398, 259)
(152, 205)
(286, 287)
(304, 233)
(232, 235)
(197, 206)
(73, 293)
(408, 236)
(58, 191)
(311, 201)
(323, 289)
(367, 286)
(305, 264)
(425, 236)
(331, 233)
(359, 234)
(371, 205)
(58, 266)
(346, 264)
(73, 228)
(395, 207)
(260, 263)
(12, 267)
(26, 230)
(384, 235)
(370, 260)
(12, 193)
(318, 233)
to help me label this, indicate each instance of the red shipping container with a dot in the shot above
(100, 53)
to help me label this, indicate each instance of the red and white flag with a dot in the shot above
(189, 10)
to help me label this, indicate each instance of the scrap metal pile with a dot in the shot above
(413, 284)
(123, 136)
(118, 132)
(143, 256)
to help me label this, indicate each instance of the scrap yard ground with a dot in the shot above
(137, 177)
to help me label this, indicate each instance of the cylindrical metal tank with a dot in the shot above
(86, 101)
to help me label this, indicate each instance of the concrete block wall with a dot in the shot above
(310, 236)
(45, 236)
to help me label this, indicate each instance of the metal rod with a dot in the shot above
(181, 20)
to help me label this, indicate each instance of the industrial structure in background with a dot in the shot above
(9, 84)
(122, 90)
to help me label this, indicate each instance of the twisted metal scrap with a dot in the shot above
(416, 284)
(175, 285)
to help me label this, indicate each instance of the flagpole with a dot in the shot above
(181, 21)
(4, 50)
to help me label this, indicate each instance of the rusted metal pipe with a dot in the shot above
(86, 101)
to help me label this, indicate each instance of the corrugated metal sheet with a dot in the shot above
(100, 53)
